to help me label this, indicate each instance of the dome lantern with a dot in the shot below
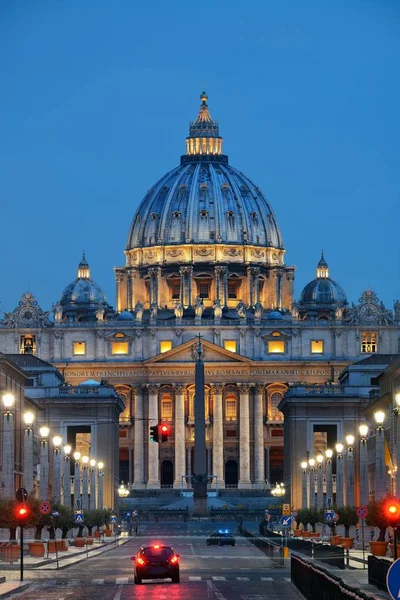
(322, 268)
(83, 269)
(204, 138)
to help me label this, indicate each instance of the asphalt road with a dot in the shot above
(207, 572)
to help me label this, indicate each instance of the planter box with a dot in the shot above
(297, 532)
(10, 553)
(36, 549)
(51, 545)
(346, 542)
(79, 542)
(89, 541)
(108, 532)
(378, 548)
(98, 534)
(62, 545)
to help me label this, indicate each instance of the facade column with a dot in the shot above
(8, 487)
(85, 485)
(182, 273)
(304, 485)
(138, 454)
(179, 434)
(56, 475)
(244, 436)
(267, 467)
(28, 459)
(189, 271)
(119, 277)
(154, 460)
(339, 476)
(349, 456)
(189, 464)
(67, 479)
(259, 467)
(364, 492)
(218, 436)
(130, 464)
(218, 272)
(44, 470)
(380, 468)
(225, 286)
(92, 474)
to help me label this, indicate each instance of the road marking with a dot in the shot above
(218, 578)
(195, 578)
(242, 578)
(212, 591)
(97, 581)
(121, 580)
(118, 594)
(287, 579)
(267, 578)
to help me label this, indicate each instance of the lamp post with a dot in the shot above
(8, 446)
(311, 494)
(29, 417)
(57, 440)
(92, 504)
(350, 501)
(100, 475)
(85, 483)
(67, 476)
(304, 484)
(320, 481)
(364, 495)
(44, 463)
(396, 410)
(380, 474)
(329, 486)
(339, 474)
(77, 481)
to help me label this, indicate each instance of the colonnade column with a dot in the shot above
(138, 454)
(225, 285)
(259, 466)
(278, 274)
(218, 273)
(218, 436)
(180, 457)
(255, 285)
(153, 458)
(244, 436)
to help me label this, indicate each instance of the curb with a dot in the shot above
(16, 588)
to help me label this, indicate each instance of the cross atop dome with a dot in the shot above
(204, 135)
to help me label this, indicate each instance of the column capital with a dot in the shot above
(244, 388)
(119, 276)
(259, 388)
(179, 388)
(221, 269)
(217, 388)
(153, 388)
(138, 389)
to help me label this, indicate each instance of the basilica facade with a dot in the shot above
(204, 255)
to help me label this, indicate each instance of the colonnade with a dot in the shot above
(250, 440)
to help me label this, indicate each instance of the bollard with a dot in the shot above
(285, 552)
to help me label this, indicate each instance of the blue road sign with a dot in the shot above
(393, 580)
(113, 519)
(329, 515)
(79, 518)
(286, 521)
(55, 513)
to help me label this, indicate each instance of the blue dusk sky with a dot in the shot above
(96, 98)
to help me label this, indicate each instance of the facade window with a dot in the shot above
(276, 334)
(275, 347)
(28, 344)
(166, 408)
(78, 348)
(317, 346)
(230, 345)
(275, 414)
(119, 347)
(231, 407)
(231, 433)
(176, 290)
(203, 288)
(165, 345)
(368, 342)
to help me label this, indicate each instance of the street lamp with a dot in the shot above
(29, 418)
(349, 457)
(57, 441)
(339, 474)
(329, 485)
(123, 492)
(380, 473)
(8, 447)
(363, 431)
(85, 483)
(311, 495)
(100, 475)
(67, 476)
(304, 484)
(44, 463)
(77, 480)
(92, 463)
(320, 481)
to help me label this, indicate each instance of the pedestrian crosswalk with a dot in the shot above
(188, 578)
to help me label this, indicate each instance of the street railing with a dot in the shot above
(377, 571)
(315, 583)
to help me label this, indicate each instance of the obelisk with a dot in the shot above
(200, 461)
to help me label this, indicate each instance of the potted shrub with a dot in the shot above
(377, 518)
(36, 549)
(314, 518)
(106, 520)
(297, 519)
(65, 522)
(304, 516)
(348, 518)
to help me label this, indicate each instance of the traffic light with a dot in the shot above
(22, 513)
(392, 511)
(154, 433)
(164, 433)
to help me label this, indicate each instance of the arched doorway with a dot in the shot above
(167, 472)
(231, 473)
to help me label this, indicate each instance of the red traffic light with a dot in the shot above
(22, 513)
(164, 433)
(392, 511)
(164, 428)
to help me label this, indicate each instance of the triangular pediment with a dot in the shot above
(186, 352)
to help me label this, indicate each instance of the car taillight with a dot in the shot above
(141, 561)
(174, 559)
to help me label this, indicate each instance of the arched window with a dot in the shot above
(166, 407)
(230, 407)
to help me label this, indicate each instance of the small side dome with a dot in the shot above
(322, 296)
(125, 316)
(275, 315)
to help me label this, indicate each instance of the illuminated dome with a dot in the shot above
(204, 200)
(323, 294)
(83, 298)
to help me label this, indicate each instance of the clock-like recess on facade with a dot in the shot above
(369, 313)
(27, 315)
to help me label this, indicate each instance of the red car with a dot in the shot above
(156, 562)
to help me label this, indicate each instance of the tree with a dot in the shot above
(314, 517)
(347, 517)
(377, 517)
(97, 519)
(65, 520)
(304, 517)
